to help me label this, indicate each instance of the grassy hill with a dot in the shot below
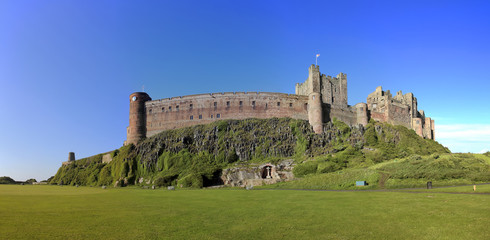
(387, 155)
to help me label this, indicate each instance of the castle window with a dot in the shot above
(177, 107)
(190, 106)
(290, 104)
(163, 109)
(200, 116)
(253, 103)
(191, 117)
(150, 110)
(306, 106)
(241, 103)
(278, 104)
(218, 115)
(266, 105)
(211, 115)
(215, 104)
(170, 108)
(228, 103)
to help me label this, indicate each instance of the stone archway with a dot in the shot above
(266, 172)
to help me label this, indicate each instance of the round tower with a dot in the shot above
(362, 116)
(137, 117)
(71, 156)
(315, 110)
(315, 113)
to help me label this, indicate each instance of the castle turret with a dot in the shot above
(137, 117)
(71, 156)
(343, 89)
(361, 114)
(315, 111)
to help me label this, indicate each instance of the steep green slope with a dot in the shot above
(195, 156)
(444, 169)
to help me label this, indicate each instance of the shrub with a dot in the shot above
(6, 180)
(165, 181)
(31, 181)
(327, 167)
(192, 180)
(305, 168)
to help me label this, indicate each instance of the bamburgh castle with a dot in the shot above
(318, 99)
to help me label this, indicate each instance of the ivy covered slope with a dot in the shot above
(195, 156)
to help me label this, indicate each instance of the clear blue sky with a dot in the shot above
(68, 67)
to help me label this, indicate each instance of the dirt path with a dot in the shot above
(382, 179)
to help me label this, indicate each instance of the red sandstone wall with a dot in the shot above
(400, 115)
(176, 112)
(378, 116)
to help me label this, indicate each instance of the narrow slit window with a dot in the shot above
(290, 104)
(228, 103)
(241, 103)
(278, 104)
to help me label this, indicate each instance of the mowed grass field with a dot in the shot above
(54, 212)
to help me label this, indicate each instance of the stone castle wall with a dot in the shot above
(185, 111)
(319, 99)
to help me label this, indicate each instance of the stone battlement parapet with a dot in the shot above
(223, 94)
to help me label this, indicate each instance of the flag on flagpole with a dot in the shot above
(317, 55)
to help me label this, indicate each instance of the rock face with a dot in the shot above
(198, 156)
(249, 176)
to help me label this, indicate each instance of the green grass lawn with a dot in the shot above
(54, 212)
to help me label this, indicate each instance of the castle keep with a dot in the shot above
(319, 99)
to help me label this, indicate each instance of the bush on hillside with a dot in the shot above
(6, 180)
(30, 181)
(192, 180)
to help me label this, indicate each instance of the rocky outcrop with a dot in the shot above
(246, 176)
(199, 156)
